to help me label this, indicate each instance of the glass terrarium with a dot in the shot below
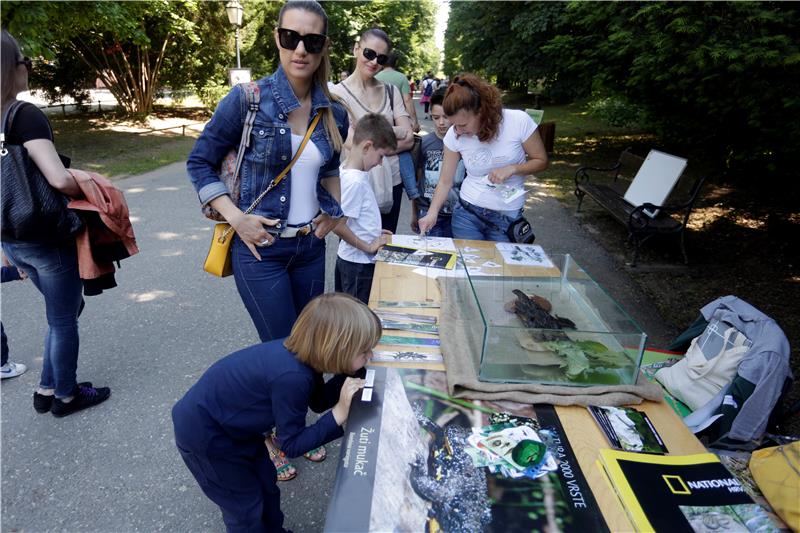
(558, 327)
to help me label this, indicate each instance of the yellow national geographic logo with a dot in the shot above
(676, 484)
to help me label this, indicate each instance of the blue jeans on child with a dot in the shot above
(467, 225)
(274, 290)
(54, 271)
(354, 279)
(408, 176)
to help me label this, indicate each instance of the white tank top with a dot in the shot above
(304, 203)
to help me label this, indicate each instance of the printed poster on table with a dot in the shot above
(416, 459)
(524, 254)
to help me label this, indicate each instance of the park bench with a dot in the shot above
(637, 194)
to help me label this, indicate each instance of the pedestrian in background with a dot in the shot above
(391, 75)
(9, 369)
(51, 259)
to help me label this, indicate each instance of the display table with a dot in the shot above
(401, 283)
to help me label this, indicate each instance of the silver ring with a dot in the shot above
(265, 242)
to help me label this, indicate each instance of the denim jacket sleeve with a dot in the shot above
(221, 135)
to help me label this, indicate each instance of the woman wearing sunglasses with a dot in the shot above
(50, 258)
(364, 94)
(278, 254)
(499, 147)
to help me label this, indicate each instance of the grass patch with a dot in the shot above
(110, 144)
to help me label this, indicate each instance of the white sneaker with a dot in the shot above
(12, 370)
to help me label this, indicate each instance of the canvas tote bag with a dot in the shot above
(696, 379)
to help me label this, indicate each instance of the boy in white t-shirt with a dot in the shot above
(373, 138)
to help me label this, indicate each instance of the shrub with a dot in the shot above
(615, 110)
(211, 93)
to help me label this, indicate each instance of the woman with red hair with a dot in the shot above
(500, 147)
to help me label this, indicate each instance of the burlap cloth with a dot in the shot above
(459, 336)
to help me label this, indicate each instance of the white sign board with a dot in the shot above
(655, 180)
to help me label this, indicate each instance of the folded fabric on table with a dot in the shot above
(462, 367)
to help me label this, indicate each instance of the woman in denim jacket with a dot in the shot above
(279, 250)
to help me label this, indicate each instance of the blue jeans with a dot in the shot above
(408, 174)
(443, 226)
(354, 278)
(468, 226)
(54, 271)
(274, 290)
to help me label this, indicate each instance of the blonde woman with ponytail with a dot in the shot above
(278, 253)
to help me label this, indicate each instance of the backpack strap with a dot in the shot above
(390, 96)
(252, 96)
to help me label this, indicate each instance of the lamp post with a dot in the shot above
(235, 13)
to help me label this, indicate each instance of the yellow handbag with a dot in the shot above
(218, 260)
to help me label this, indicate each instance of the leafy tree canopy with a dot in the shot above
(133, 47)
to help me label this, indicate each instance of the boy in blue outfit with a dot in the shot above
(428, 168)
(373, 137)
(221, 421)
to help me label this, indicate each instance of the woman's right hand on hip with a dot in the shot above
(253, 232)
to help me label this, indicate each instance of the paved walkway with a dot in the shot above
(114, 467)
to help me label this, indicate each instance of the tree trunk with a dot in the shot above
(131, 77)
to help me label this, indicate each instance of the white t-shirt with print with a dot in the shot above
(361, 209)
(480, 158)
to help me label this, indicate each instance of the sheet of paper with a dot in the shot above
(510, 192)
(370, 377)
(524, 254)
(384, 356)
(366, 395)
(431, 244)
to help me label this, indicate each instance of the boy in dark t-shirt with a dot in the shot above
(429, 165)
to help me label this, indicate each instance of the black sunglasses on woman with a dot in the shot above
(313, 42)
(370, 54)
(27, 61)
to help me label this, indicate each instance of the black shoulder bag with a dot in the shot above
(32, 210)
(519, 231)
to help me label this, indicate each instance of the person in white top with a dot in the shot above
(499, 147)
(373, 138)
